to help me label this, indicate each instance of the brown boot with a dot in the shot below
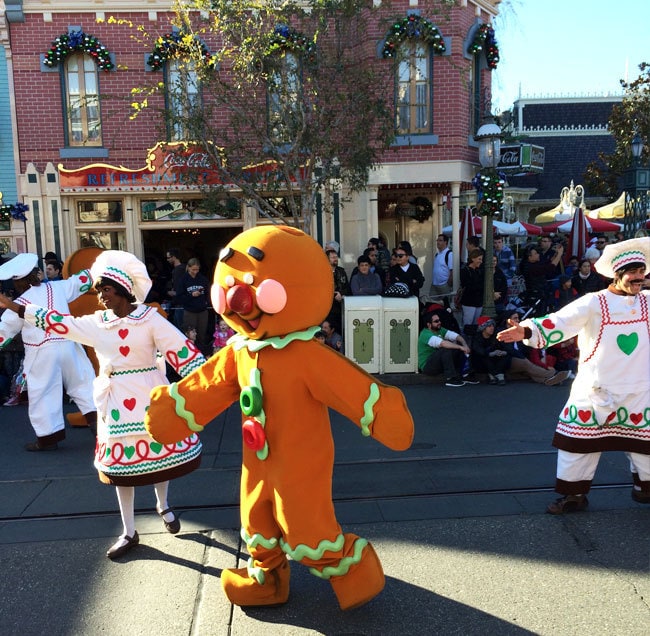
(76, 420)
(362, 582)
(243, 590)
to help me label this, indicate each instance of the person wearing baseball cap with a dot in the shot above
(51, 363)
(126, 336)
(609, 403)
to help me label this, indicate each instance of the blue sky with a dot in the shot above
(568, 47)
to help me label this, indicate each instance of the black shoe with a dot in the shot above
(35, 447)
(568, 503)
(640, 497)
(122, 546)
(172, 526)
(470, 378)
(455, 382)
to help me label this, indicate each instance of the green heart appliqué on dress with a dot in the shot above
(627, 342)
(57, 318)
(115, 414)
(155, 447)
(129, 451)
(183, 353)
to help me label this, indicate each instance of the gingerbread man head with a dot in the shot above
(271, 281)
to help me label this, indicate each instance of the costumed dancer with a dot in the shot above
(126, 337)
(285, 381)
(609, 405)
(52, 364)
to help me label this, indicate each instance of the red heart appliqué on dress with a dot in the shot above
(83, 279)
(129, 403)
(125, 351)
(566, 411)
(636, 418)
(585, 416)
(123, 333)
(548, 324)
(610, 417)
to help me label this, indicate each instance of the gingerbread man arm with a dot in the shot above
(378, 409)
(182, 408)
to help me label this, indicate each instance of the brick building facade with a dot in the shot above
(117, 210)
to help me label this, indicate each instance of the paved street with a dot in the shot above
(458, 522)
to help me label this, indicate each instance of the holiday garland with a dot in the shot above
(78, 41)
(15, 211)
(286, 38)
(412, 26)
(489, 192)
(173, 44)
(484, 38)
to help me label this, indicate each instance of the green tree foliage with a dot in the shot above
(631, 116)
(288, 99)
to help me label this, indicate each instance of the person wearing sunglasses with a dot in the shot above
(405, 272)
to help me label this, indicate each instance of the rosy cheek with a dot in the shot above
(271, 296)
(218, 296)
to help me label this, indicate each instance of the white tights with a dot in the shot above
(126, 499)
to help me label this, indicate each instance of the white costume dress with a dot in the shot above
(52, 363)
(609, 404)
(127, 349)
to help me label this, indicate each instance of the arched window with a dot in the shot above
(414, 88)
(174, 54)
(475, 95)
(283, 93)
(412, 41)
(183, 97)
(83, 116)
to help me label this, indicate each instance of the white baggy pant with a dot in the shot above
(49, 369)
(574, 467)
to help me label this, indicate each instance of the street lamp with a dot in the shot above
(636, 184)
(489, 186)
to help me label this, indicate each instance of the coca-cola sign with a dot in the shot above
(510, 157)
(522, 157)
(187, 160)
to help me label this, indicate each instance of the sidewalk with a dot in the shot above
(457, 521)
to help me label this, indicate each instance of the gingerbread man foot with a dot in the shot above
(362, 582)
(243, 590)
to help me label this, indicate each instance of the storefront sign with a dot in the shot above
(522, 157)
(168, 166)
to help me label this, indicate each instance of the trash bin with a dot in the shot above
(400, 330)
(362, 320)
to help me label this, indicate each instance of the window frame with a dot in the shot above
(411, 62)
(286, 100)
(84, 106)
(177, 72)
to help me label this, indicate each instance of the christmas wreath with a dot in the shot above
(173, 44)
(15, 211)
(484, 39)
(412, 26)
(286, 38)
(78, 41)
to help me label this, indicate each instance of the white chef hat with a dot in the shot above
(19, 266)
(125, 269)
(617, 255)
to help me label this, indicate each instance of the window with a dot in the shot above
(83, 119)
(475, 95)
(99, 212)
(414, 88)
(182, 98)
(283, 93)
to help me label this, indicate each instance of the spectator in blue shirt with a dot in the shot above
(505, 258)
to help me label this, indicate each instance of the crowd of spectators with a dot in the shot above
(456, 338)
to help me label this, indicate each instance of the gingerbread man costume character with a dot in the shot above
(273, 285)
